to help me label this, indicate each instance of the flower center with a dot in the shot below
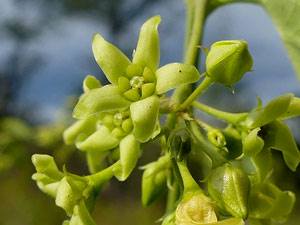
(118, 119)
(137, 82)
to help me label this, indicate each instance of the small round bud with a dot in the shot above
(180, 143)
(228, 61)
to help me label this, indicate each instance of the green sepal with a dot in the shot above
(111, 60)
(86, 126)
(274, 109)
(230, 187)
(107, 98)
(147, 50)
(293, 109)
(154, 180)
(81, 215)
(144, 114)
(169, 219)
(173, 75)
(279, 137)
(90, 83)
(252, 143)
(268, 202)
(101, 140)
(129, 154)
(228, 61)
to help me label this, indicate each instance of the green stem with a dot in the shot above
(232, 118)
(196, 16)
(173, 195)
(205, 146)
(197, 92)
(188, 181)
(97, 180)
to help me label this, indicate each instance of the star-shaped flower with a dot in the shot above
(136, 85)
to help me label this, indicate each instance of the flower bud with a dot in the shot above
(230, 187)
(180, 143)
(228, 61)
(154, 181)
(195, 208)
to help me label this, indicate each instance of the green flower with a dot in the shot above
(263, 129)
(136, 85)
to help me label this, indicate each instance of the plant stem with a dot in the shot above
(188, 181)
(196, 16)
(197, 92)
(173, 195)
(99, 179)
(232, 118)
(205, 146)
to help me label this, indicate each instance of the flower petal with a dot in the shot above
(86, 126)
(144, 114)
(90, 82)
(101, 140)
(293, 109)
(98, 100)
(111, 60)
(279, 137)
(174, 74)
(129, 154)
(147, 51)
(274, 109)
(252, 143)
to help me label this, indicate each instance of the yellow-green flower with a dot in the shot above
(136, 85)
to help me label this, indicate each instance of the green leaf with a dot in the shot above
(285, 15)
(252, 143)
(129, 154)
(173, 75)
(111, 60)
(274, 109)
(147, 51)
(101, 140)
(279, 137)
(293, 109)
(98, 100)
(144, 114)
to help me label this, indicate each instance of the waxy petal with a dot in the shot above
(86, 126)
(252, 143)
(147, 51)
(101, 140)
(111, 60)
(274, 109)
(129, 154)
(279, 137)
(174, 74)
(144, 114)
(98, 100)
(90, 83)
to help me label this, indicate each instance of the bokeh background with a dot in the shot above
(45, 53)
